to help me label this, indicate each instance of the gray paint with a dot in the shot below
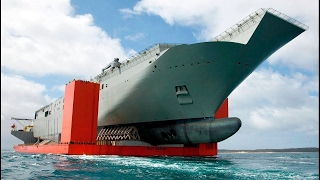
(143, 88)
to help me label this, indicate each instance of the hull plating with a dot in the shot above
(208, 71)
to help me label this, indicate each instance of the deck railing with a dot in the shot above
(251, 20)
(287, 18)
(133, 60)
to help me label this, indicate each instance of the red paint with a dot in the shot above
(80, 127)
(80, 113)
(81, 149)
(223, 111)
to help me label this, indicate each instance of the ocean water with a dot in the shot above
(225, 166)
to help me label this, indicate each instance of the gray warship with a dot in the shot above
(170, 93)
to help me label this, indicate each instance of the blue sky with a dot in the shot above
(45, 44)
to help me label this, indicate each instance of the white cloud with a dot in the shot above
(213, 18)
(185, 13)
(59, 88)
(128, 13)
(19, 94)
(46, 38)
(135, 37)
(20, 98)
(267, 100)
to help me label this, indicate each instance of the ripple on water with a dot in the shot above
(225, 166)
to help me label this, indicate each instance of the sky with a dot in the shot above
(45, 44)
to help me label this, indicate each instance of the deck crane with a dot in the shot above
(25, 128)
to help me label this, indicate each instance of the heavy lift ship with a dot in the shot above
(80, 135)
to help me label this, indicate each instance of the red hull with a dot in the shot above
(79, 149)
(80, 125)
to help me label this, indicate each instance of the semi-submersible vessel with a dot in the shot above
(169, 99)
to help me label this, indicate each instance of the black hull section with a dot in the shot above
(26, 137)
(189, 131)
